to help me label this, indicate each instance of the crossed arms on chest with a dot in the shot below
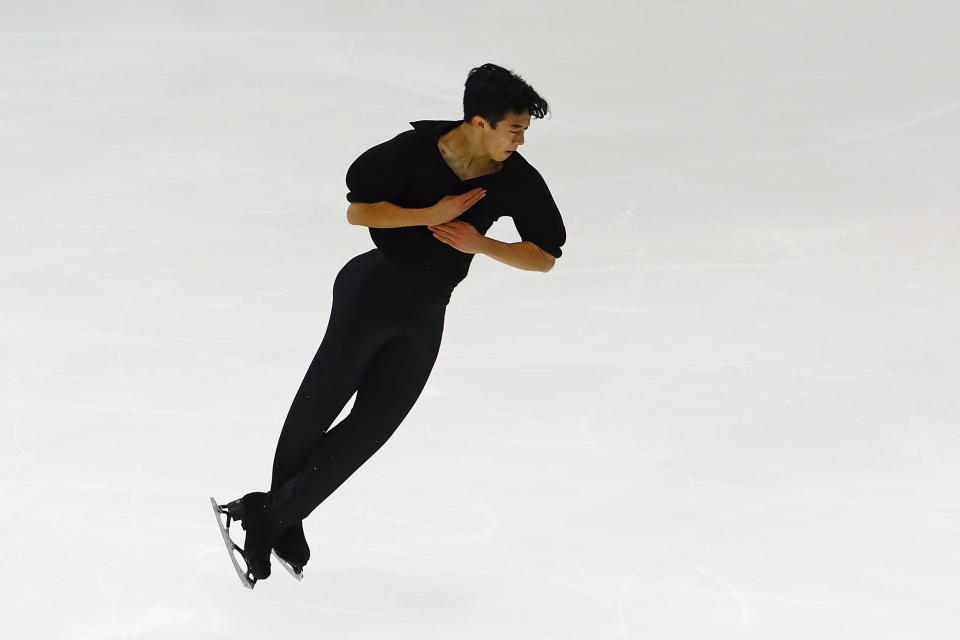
(521, 255)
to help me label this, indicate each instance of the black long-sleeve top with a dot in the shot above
(409, 171)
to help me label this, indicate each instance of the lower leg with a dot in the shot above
(327, 386)
(345, 448)
(292, 544)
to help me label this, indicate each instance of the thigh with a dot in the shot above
(397, 374)
(356, 330)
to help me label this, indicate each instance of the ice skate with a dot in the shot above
(254, 513)
(291, 551)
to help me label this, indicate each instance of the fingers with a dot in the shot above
(472, 197)
(453, 224)
(441, 235)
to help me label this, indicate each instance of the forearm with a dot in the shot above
(386, 215)
(522, 255)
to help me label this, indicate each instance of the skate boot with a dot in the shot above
(255, 513)
(292, 551)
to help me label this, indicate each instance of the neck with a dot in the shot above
(470, 145)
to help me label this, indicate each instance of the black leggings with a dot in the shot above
(381, 342)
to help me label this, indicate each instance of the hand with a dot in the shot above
(460, 235)
(450, 207)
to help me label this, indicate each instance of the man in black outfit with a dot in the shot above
(427, 195)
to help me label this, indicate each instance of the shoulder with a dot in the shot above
(392, 151)
(519, 164)
(524, 173)
(401, 140)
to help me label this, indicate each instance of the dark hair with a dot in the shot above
(493, 92)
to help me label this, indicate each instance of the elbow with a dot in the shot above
(356, 213)
(352, 211)
(549, 258)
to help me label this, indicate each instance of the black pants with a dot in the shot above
(381, 342)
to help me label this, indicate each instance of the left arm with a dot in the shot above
(522, 255)
(538, 222)
(464, 237)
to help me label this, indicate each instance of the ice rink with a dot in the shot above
(730, 410)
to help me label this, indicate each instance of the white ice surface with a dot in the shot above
(730, 411)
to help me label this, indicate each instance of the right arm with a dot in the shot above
(386, 215)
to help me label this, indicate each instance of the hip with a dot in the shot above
(373, 273)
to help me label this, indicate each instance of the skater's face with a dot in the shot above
(507, 136)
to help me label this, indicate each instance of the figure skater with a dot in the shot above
(428, 195)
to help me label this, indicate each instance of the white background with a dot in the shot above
(729, 411)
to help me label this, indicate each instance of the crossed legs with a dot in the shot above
(311, 461)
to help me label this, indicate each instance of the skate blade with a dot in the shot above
(246, 577)
(288, 567)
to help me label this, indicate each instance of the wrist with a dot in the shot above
(487, 246)
(426, 216)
